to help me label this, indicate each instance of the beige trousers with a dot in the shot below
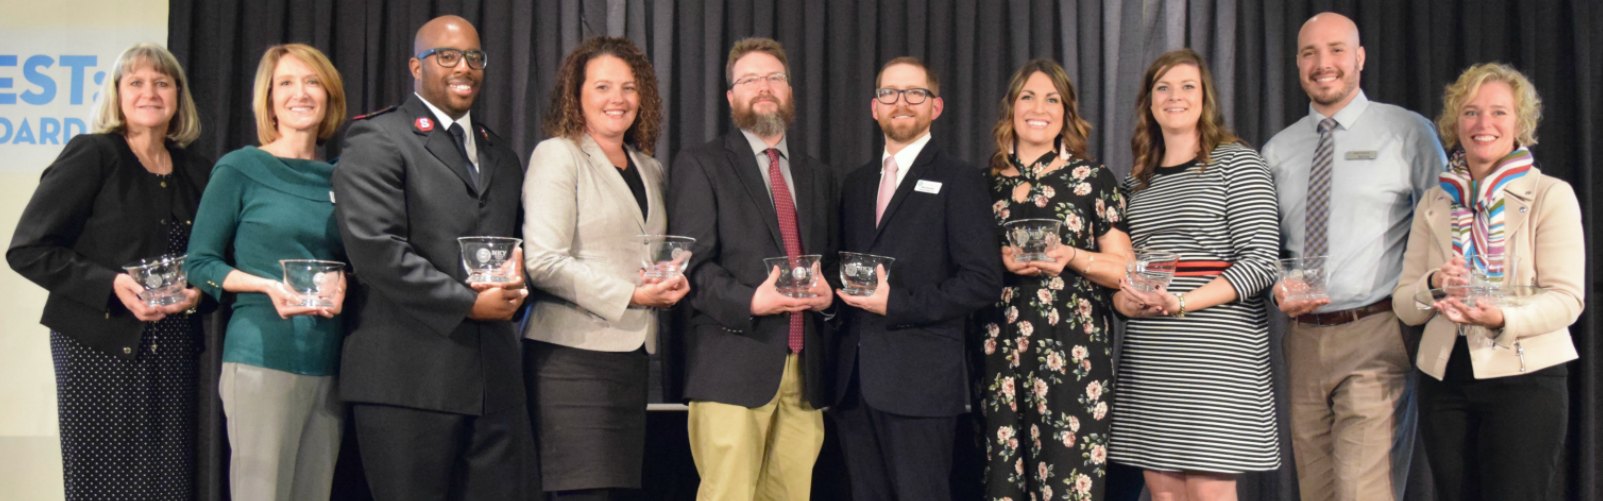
(762, 453)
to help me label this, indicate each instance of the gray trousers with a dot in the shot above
(284, 429)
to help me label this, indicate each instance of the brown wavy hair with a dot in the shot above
(565, 117)
(1146, 145)
(1076, 131)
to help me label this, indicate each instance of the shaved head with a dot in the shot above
(451, 89)
(1329, 61)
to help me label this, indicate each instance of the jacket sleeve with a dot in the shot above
(42, 246)
(694, 205)
(971, 248)
(551, 217)
(370, 185)
(1560, 264)
(1416, 270)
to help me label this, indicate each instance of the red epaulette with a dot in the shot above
(375, 113)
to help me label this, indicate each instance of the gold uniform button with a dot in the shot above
(127, 351)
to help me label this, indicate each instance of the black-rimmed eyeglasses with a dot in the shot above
(449, 58)
(913, 96)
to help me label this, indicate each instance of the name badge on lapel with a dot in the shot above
(927, 186)
(331, 196)
(1362, 155)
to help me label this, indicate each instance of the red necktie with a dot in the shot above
(786, 209)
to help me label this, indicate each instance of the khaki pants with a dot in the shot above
(762, 453)
(285, 432)
(1352, 415)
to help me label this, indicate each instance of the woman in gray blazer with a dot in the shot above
(590, 191)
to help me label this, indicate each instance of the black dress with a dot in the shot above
(128, 426)
(1047, 344)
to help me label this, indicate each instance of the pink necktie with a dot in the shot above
(785, 209)
(887, 188)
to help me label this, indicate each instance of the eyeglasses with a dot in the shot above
(449, 58)
(774, 79)
(913, 96)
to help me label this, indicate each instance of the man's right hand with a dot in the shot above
(1295, 307)
(768, 301)
(497, 304)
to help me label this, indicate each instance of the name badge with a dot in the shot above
(330, 196)
(927, 186)
(1361, 155)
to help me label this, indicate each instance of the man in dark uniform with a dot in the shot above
(430, 363)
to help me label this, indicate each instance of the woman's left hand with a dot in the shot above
(187, 306)
(1061, 255)
(1482, 314)
(1139, 304)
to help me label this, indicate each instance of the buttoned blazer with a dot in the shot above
(403, 195)
(582, 246)
(717, 196)
(1544, 240)
(95, 210)
(938, 226)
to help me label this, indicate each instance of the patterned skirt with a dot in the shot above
(128, 426)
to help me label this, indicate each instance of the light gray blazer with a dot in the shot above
(580, 223)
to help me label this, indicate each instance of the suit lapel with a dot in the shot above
(651, 176)
(438, 141)
(488, 162)
(602, 168)
(905, 189)
(747, 170)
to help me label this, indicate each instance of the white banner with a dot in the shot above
(54, 56)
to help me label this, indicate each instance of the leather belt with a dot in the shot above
(1345, 316)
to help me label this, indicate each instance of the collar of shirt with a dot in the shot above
(760, 147)
(445, 126)
(1347, 116)
(905, 158)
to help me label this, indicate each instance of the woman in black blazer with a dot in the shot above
(125, 371)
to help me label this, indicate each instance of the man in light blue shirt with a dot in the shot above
(1348, 176)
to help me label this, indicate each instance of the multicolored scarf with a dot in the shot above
(1478, 222)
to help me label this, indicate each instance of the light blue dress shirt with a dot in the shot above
(1385, 158)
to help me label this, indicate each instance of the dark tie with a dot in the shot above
(461, 143)
(1316, 241)
(786, 209)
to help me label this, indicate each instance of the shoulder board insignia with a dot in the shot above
(375, 113)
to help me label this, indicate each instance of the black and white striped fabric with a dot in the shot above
(1194, 393)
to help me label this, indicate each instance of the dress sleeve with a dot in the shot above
(211, 240)
(1109, 200)
(1252, 216)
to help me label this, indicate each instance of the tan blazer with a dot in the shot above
(1544, 241)
(580, 248)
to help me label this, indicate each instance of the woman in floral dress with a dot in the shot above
(1047, 342)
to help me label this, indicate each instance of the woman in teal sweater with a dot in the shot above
(279, 359)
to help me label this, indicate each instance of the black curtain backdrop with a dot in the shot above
(1414, 49)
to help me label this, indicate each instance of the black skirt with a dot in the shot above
(589, 413)
(128, 426)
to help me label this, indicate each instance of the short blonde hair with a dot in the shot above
(185, 127)
(1527, 105)
(262, 102)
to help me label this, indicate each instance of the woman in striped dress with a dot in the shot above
(1193, 405)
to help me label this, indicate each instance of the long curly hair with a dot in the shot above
(1076, 131)
(565, 117)
(1146, 145)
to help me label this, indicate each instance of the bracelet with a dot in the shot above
(1182, 299)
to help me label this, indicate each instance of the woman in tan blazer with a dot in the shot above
(590, 191)
(1495, 406)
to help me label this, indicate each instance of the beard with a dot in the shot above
(1332, 96)
(764, 124)
(903, 132)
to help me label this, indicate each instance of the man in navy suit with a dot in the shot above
(431, 364)
(902, 379)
